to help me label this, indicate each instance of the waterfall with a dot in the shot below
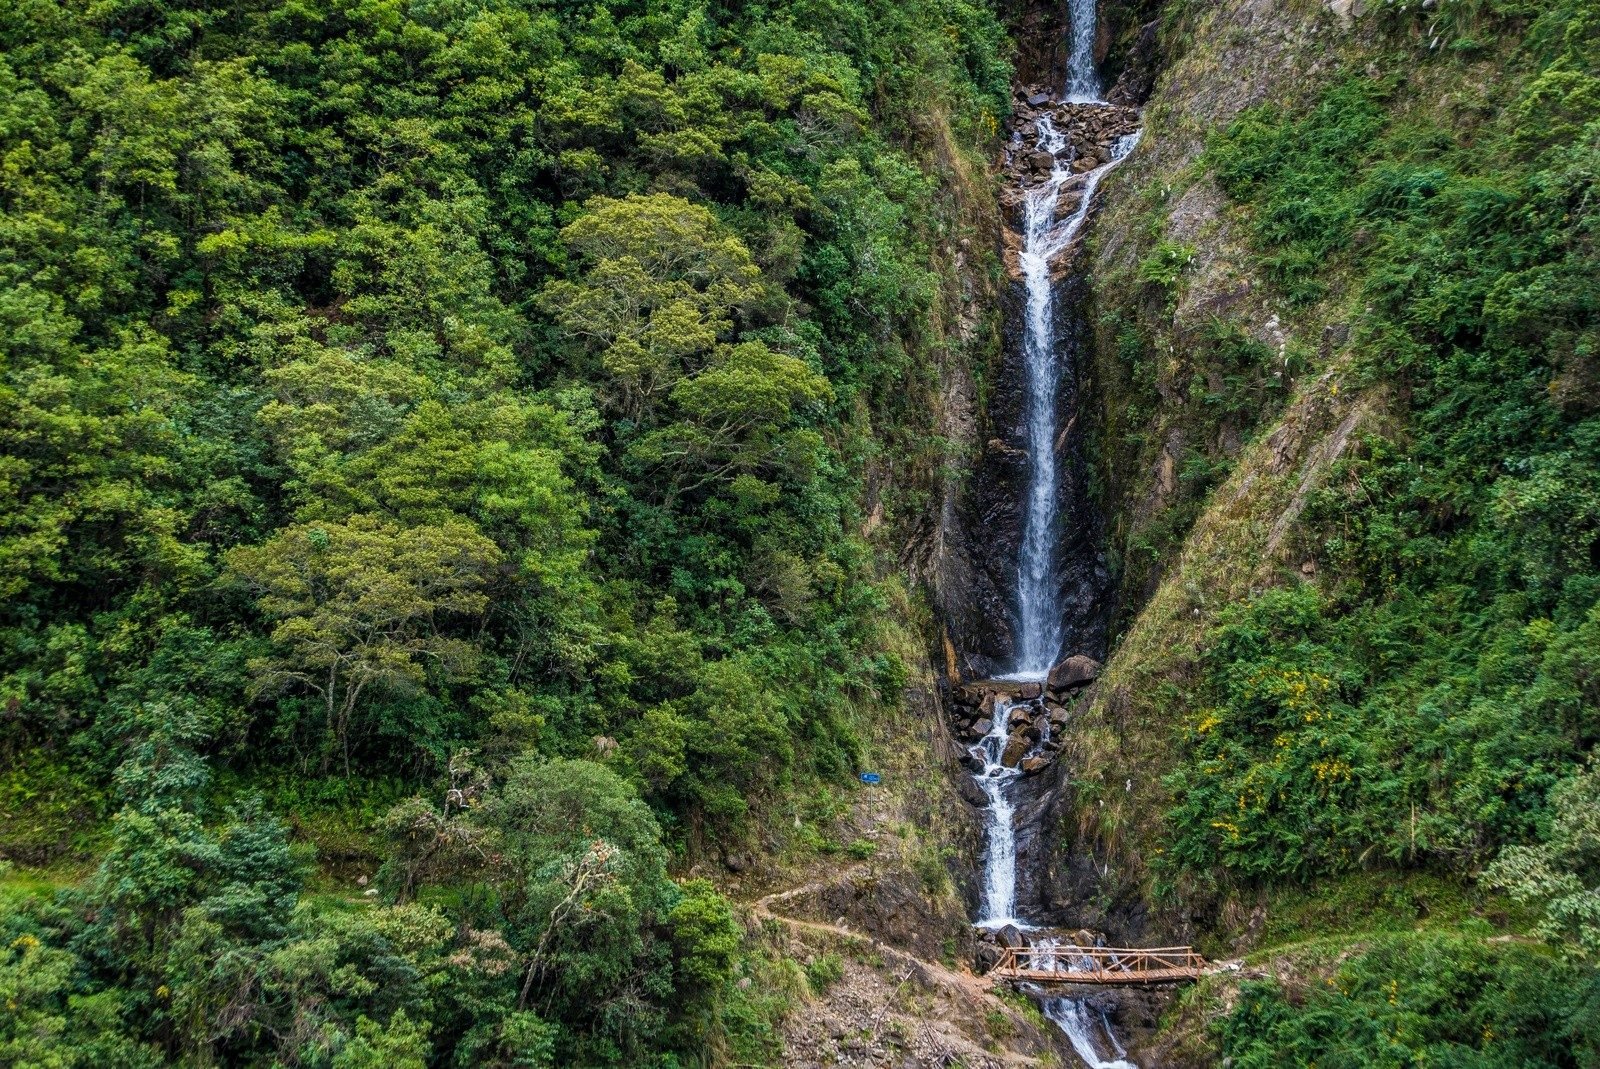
(1039, 633)
(1000, 865)
(1083, 78)
(1081, 1025)
(1038, 614)
(1086, 1028)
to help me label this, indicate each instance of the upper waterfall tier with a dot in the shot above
(1045, 234)
(1083, 76)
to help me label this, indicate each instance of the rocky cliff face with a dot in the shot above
(1143, 541)
(1124, 43)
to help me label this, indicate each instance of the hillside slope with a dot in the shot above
(1346, 356)
(454, 462)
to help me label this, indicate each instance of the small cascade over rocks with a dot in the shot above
(1085, 1021)
(1013, 729)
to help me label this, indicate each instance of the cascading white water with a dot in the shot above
(1038, 615)
(1081, 1025)
(1000, 865)
(1087, 1028)
(1083, 78)
(1039, 630)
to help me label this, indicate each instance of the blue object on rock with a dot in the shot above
(870, 777)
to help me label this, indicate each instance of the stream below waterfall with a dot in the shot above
(998, 760)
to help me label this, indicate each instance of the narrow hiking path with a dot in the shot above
(890, 1005)
(976, 986)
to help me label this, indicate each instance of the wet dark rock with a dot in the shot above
(970, 792)
(986, 957)
(1075, 671)
(1010, 936)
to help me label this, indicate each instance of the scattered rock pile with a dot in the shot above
(1090, 130)
(1039, 714)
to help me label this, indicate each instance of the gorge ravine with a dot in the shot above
(1050, 222)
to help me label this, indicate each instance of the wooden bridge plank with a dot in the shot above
(1111, 965)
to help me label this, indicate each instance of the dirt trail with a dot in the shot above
(905, 1012)
(974, 986)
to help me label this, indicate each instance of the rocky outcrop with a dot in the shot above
(885, 1011)
(1091, 132)
(1138, 77)
(1038, 719)
(984, 523)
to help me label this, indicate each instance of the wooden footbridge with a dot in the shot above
(1048, 965)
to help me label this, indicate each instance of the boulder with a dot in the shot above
(1039, 98)
(982, 728)
(1010, 935)
(970, 695)
(1347, 11)
(1075, 671)
(1016, 746)
(1034, 764)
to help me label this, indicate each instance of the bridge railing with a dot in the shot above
(1073, 964)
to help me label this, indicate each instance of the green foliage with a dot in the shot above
(357, 606)
(48, 808)
(384, 382)
(705, 935)
(1562, 874)
(398, 1043)
(1165, 264)
(1419, 1000)
(50, 1021)
(1300, 178)
(569, 314)
(823, 971)
(1420, 700)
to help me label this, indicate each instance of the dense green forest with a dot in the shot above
(454, 456)
(406, 407)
